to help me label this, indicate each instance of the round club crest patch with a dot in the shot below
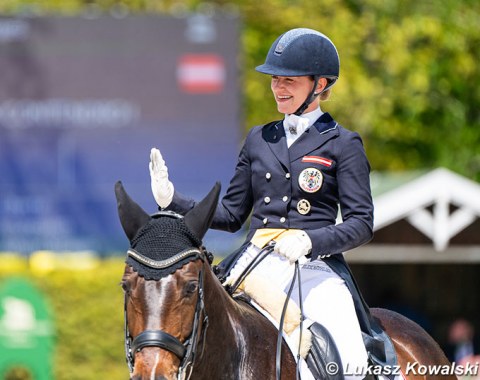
(310, 180)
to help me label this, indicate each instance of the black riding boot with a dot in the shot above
(323, 358)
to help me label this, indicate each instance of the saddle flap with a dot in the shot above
(380, 349)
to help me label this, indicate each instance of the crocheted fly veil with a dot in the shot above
(155, 240)
(160, 239)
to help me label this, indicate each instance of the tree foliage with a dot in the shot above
(409, 69)
(408, 81)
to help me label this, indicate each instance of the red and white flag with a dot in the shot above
(318, 160)
(201, 73)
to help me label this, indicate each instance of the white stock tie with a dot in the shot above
(294, 126)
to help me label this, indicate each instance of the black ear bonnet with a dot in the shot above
(160, 239)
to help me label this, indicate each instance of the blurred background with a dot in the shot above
(88, 87)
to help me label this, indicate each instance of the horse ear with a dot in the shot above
(132, 217)
(199, 218)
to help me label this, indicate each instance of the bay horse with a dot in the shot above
(181, 323)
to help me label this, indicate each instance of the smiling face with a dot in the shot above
(291, 92)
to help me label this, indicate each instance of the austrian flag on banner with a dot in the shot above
(201, 73)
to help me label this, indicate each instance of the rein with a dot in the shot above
(250, 267)
(278, 356)
(158, 338)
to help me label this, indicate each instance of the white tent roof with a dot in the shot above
(439, 188)
(424, 200)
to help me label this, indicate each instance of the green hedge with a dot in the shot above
(88, 313)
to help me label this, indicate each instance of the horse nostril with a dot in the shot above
(139, 377)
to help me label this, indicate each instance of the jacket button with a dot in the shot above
(268, 176)
(287, 176)
(282, 219)
(285, 198)
(267, 199)
(265, 220)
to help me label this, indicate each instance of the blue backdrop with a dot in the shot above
(82, 101)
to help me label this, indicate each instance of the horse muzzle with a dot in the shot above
(154, 363)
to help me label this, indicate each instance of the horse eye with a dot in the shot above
(190, 288)
(125, 286)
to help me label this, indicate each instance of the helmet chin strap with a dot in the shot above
(310, 98)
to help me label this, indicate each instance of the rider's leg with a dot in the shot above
(273, 268)
(327, 300)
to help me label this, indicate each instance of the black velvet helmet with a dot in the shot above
(300, 52)
(303, 52)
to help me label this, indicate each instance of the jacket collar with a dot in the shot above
(274, 134)
(320, 132)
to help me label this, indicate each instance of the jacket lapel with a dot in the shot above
(274, 135)
(318, 134)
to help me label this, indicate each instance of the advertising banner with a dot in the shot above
(26, 332)
(82, 102)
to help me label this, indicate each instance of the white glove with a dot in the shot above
(294, 246)
(162, 188)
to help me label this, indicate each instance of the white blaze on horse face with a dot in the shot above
(154, 366)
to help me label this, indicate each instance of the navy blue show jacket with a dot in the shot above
(266, 184)
(266, 181)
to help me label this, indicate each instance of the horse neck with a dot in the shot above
(227, 320)
(233, 328)
(219, 305)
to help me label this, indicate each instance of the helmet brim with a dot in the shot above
(280, 71)
(284, 72)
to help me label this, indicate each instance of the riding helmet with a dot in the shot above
(300, 52)
(303, 52)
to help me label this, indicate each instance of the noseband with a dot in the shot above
(158, 338)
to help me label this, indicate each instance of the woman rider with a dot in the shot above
(295, 175)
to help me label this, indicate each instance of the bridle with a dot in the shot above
(157, 338)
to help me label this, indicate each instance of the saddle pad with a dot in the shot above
(305, 373)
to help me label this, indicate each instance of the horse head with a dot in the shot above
(162, 281)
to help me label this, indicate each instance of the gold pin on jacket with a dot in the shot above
(303, 207)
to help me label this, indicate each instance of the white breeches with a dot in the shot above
(326, 300)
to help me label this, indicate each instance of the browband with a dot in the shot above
(162, 264)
